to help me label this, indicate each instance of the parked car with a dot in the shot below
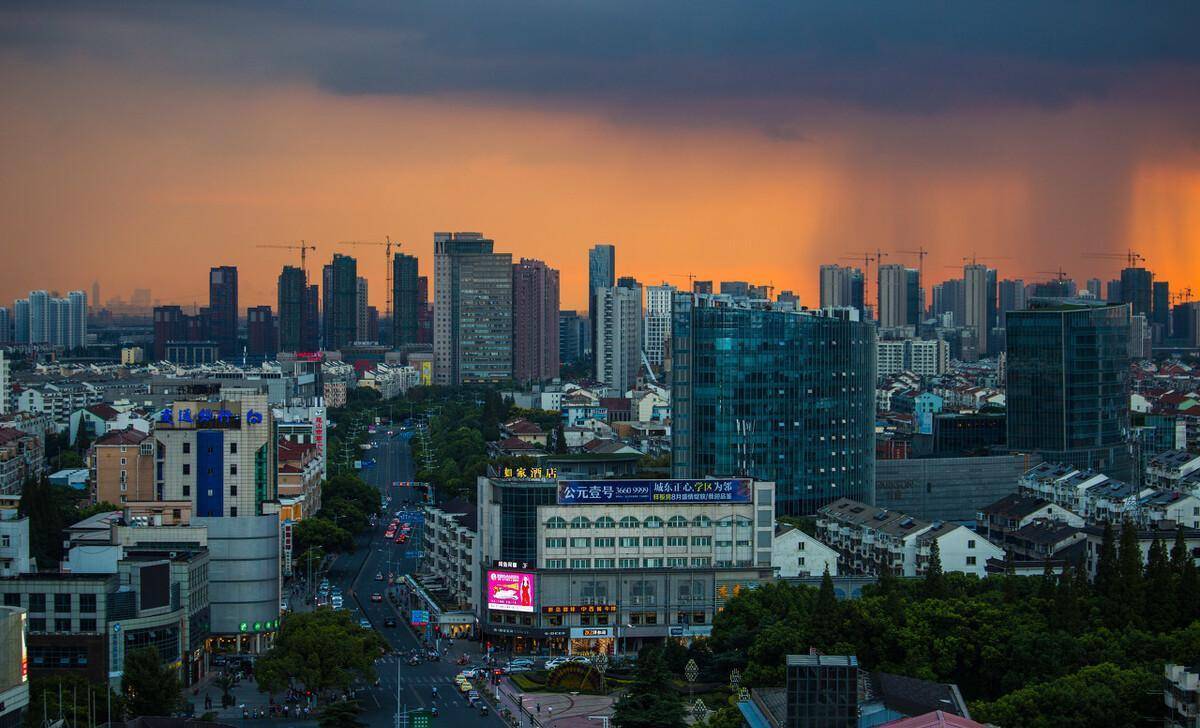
(364, 623)
(554, 662)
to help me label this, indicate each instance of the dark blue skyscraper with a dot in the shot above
(777, 395)
(223, 309)
(1068, 384)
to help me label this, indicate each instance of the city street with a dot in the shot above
(354, 574)
(357, 579)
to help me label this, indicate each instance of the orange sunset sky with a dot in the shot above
(138, 150)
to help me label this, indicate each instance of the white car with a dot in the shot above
(554, 662)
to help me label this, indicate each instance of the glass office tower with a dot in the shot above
(779, 396)
(1068, 384)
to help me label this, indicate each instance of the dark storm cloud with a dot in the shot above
(881, 55)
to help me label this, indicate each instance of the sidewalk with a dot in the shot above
(557, 710)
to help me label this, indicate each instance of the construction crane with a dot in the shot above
(1183, 296)
(690, 276)
(303, 246)
(1059, 274)
(866, 259)
(387, 253)
(920, 252)
(1131, 257)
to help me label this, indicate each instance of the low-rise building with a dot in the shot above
(999, 520)
(121, 465)
(795, 553)
(1166, 471)
(22, 457)
(301, 471)
(1182, 696)
(870, 540)
(452, 558)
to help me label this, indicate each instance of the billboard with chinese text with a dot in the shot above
(580, 492)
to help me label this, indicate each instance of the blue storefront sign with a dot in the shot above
(420, 617)
(577, 492)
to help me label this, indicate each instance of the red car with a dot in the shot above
(401, 539)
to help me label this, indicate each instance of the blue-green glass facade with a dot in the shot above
(1068, 385)
(776, 395)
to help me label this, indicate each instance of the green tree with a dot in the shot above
(77, 694)
(341, 714)
(650, 702)
(150, 687)
(935, 582)
(1106, 564)
(826, 616)
(1160, 606)
(560, 439)
(1125, 607)
(1188, 595)
(96, 508)
(319, 651)
(224, 682)
(1101, 696)
(321, 533)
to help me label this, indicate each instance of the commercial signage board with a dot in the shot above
(420, 617)
(580, 492)
(513, 591)
(592, 633)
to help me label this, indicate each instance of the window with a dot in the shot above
(801, 561)
(62, 603)
(724, 544)
(62, 625)
(556, 563)
(629, 563)
(87, 603)
(629, 542)
(606, 563)
(581, 543)
(187, 468)
(677, 562)
(12, 599)
(701, 561)
(580, 522)
(605, 522)
(556, 543)
(702, 540)
(581, 563)
(653, 563)
(655, 541)
(233, 448)
(233, 512)
(971, 544)
(37, 624)
(604, 542)
(654, 522)
(677, 522)
(554, 620)
(556, 522)
(677, 540)
(123, 461)
(970, 561)
(743, 542)
(187, 448)
(5, 541)
(37, 603)
(629, 522)
(701, 522)
(233, 470)
(233, 491)
(187, 490)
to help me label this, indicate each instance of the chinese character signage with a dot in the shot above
(511, 590)
(206, 416)
(530, 473)
(576, 492)
(580, 609)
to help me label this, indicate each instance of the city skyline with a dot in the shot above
(1054, 148)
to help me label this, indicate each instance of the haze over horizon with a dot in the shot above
(150, 142)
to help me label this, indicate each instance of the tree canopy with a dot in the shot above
(1007, 641)
(150, 688)
(650, 702)
(319, 651)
